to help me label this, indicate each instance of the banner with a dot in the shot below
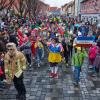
(85, 41)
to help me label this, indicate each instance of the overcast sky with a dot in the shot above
(57, 3)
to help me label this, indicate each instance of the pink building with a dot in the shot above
(90, 10)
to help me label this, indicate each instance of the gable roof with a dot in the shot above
(53, 8)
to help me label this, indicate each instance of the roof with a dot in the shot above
(64, 5)
(53, 8)
(43, 3)
(70, 3)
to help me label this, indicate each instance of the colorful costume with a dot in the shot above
(54, 54)
(14, 64)
(77, 61)
(39, 52)
(54, 58)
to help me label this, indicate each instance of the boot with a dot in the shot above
(56, 75)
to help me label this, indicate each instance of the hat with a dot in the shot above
(78, 48)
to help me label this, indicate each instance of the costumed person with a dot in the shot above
(54, 57)
(20, 37)
(77, 61)
(32, 40)
(2, 53)
(65, 47)
(15, 64)
(97, 59)
(39, 48)
(26, 48)
(2, 75)
(92, 54)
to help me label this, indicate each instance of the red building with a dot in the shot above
(54, 11)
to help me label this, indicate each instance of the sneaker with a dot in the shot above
(38, 65)
(94, 75)
(41, 62)
(4, 81)
(67, 64)
(90, 67)
(30, 65)
(56, 75)
(51, 75)
(33, 58)
(75, 83)
(49, 69)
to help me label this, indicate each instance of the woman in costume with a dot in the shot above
(54, 57)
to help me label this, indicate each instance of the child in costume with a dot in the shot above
(54, 57)
(77, 61)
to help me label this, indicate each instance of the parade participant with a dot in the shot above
(20, 37)
(15, 64)
(77, 61)
(26, 48)
(65, 47)
(92, 54)
(32, 40)
(39, 50)
(2, 75)
(97, 59)
(54, 57)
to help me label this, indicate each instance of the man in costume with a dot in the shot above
(15, 63)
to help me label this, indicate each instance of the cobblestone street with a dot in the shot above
(40, 87)
(49, 49)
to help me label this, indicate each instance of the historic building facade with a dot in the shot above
(90, 10)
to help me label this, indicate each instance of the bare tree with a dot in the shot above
(24, 7)
(29, 7)
(33, 7)
(21, 7)
(6, 4)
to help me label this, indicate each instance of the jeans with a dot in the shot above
(38, 55)
(77, 73)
